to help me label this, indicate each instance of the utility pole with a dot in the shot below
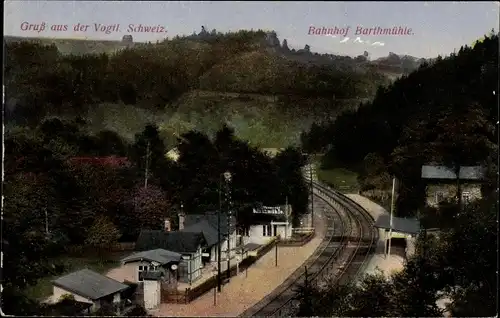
(312, 195)
(219, 238)
(228, 216)
(146, 172)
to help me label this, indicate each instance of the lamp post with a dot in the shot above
(227, 177)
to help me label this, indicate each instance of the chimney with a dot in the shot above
(168, 225)
(181, 220)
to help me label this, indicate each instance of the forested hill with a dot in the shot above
(393, 64)
(195, 82)
(444, 112)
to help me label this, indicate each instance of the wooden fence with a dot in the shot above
(302, 238)
(192, 293)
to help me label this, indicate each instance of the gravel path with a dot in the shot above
(243, 292)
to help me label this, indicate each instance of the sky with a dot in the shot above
(436, 27)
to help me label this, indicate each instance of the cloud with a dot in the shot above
(358, 40)
(345, 40)
(378, 43)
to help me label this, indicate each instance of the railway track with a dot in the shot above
(347, 245)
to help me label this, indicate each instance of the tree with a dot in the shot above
(372, 297)
(200, 167)
(102, 232)
(292, 185)
(148, 154)
(151, 207)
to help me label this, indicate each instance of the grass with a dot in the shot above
(255, 118)
(341, 179)
(43, 288)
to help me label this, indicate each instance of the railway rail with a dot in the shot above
(349, 241)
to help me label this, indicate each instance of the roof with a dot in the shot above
(112, 161)
(178, 241)
(444, 172)
(158, 255)
(403, 225)
(271, 152)
(173, 154)
(89, 284)
(210, 233)
(211, 218)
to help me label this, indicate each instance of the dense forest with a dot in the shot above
(182, 84)
(445, 113)
(67, 188)
(442, 113)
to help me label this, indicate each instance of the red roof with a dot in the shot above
(112, 161)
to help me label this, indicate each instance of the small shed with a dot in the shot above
(442, 183)
(400, 226)
(90, 287)
(405, 228)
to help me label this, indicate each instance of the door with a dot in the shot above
(275, 230)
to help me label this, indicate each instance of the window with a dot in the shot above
(145, 268)
(141, 270)
(439, 197)
(466, 197)
(243, 232)
(266, 230)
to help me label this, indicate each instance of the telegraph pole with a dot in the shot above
(312, 195)
(219, 238)
(228, 216)
(146, 172)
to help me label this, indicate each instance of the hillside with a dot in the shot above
(76, 46)
(186, 82)
(444, 113)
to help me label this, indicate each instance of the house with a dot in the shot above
(173, 154)
(271, 152)
(442, 183)
(188, 244)
(267, 223)
(208, 224)
(89, 287)
(162, 261)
